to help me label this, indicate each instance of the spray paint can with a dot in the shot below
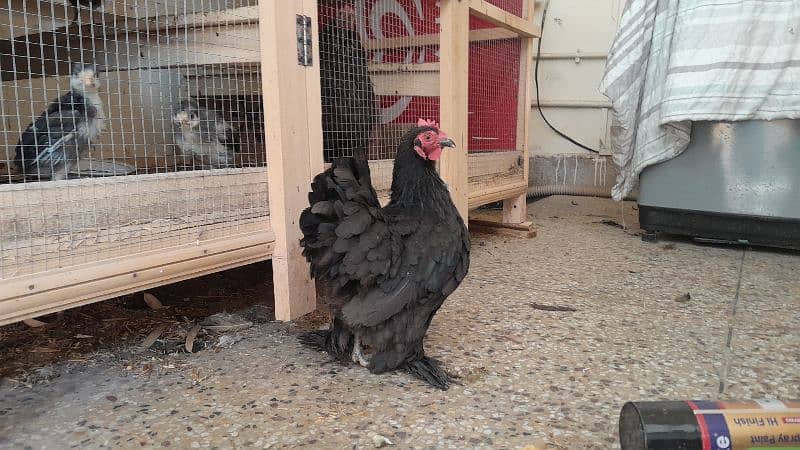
(710, 425)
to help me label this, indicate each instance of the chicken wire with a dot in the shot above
(379, 69)
(180, 151)
(516, 7)
(495, 92)
(386, 53)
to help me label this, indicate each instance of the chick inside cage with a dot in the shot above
(127, 127)
(133, 87)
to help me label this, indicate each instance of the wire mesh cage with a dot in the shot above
(133, 144)
(497, 84)
(127, 126)
(380, 72)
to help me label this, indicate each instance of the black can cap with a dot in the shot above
(667, 425)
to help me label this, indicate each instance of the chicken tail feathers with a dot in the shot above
(342, 205)
(430, 371)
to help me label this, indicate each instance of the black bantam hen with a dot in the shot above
(390, 268)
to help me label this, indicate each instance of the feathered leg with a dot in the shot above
(417, 364)
(428, 370)
(336, 341)
(358, 354)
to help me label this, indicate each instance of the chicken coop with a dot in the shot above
(144, 142)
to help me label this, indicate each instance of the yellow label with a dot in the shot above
(749, 431)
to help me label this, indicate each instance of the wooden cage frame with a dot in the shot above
(294, 140)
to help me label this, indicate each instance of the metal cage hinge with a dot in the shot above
(304, 54)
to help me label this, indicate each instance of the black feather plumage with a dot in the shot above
(391, 268)
(52, 144)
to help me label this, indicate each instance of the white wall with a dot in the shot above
(576, 38)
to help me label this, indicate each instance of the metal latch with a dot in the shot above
(304, 55)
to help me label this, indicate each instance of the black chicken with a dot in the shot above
(51, 146)
(204, 136)
(349, 108)
(390, 268)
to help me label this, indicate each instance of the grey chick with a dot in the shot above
(203, 135)
(51, 145)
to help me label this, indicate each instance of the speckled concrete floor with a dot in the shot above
(530, 375)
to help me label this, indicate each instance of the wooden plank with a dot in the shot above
(490, 183)
(227, 17)
(405, 80)
(60, 289)
(238, 70)
(166, 39)
(495, 194)
(151, 23)
(454, 59)
(217, 37)
(23, 17)
(494, 163)
(416, 80)
(491, 34)
(523, 27)
(154, 22)
(492, 172)
(293, 159)
(65, 223)
(225, 85)
(424, 40)
(520, 230)
(32, 17)
(141, 9)
(217, 44)
(402, 67)
(417, 84)
(515, 210)
(40, 255)
(504, 167)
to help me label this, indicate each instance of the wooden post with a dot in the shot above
(294, 145)
(453, 89)
(515, 209)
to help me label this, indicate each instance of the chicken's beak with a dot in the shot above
(447, 142)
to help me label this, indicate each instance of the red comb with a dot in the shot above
(427, 123)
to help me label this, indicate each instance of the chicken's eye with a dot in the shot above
(192, 116)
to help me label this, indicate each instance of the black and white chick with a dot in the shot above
(51, 146)
(204, 136)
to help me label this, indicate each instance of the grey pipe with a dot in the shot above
(569, 189)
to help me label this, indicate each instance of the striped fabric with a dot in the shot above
(677, 61)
